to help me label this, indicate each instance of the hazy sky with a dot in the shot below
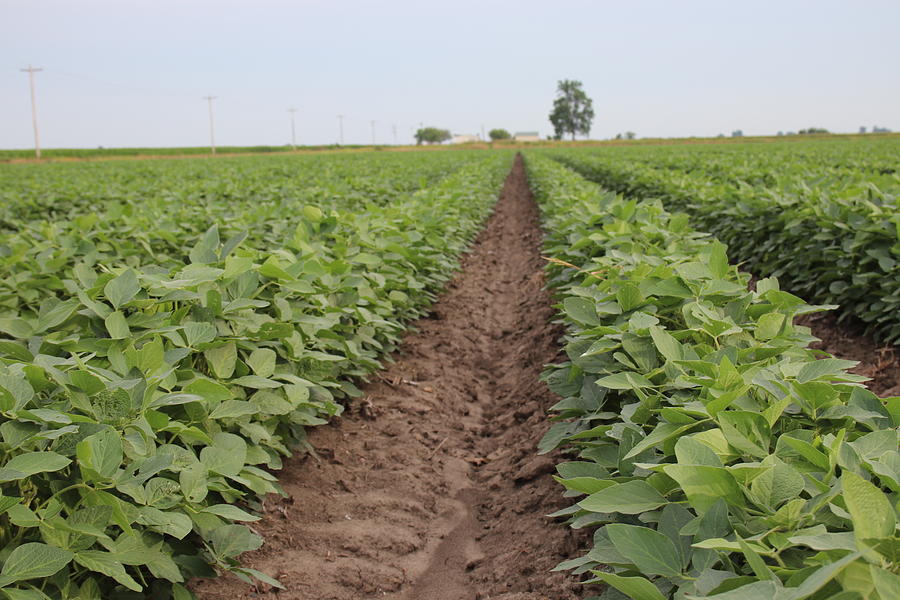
(132, 72)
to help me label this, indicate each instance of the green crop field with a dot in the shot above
(170, 329)
(715, 454)
(824, 217)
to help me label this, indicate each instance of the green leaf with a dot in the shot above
(222, 359)
(760, 569)
(872, 513)
(170, 522)
(15, 393)
(662, 433)
(777, 485)
(650, 551)
(106, 563)
(262, 361)
(760, 590)
(231, 409)
(814, 582)
(718, 261)
(704, 485)
(689, 451)
(230, 540)
(824, 367)
(230, 512)
(55, 313)
(101, 453)
(31, 594)
(825, 541)
(626, 380)
(31, 463)
(581, 310)
(121, 289)
(32, 560)
(312, 213)
(226, 456)
(194, 483)
(629, 297)
(204, 252)
(769, 326)
(886, 583)
(117, 326)
(667, 345)
(630, 498)
(747, 431)
(196, 333)
(637, 588)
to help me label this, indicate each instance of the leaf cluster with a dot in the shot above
(831, 234)
(713, 454)
(151, 380)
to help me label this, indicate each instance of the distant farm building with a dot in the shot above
(464, 138)
(527, 136)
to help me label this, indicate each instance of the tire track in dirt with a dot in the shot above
(429, 489)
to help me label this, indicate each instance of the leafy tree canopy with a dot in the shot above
(499, 134)
(432, 135)
(572, 111)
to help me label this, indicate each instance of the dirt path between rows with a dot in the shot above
(430, 489)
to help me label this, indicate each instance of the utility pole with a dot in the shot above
(394, 128)
(341, 126)
(293, 129)
(37, 139)
(482, 133)
(212, 134)
(372, 123)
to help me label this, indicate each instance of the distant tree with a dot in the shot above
(499, 134)
(862, 129)
(432, 135)
(630, 135)
(618, 136)
(812, 130)
(573, 111)
(737, 133)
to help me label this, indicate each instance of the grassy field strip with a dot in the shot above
(713, 454)
(831, 237)
(150, 382)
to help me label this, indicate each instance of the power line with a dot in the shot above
(37, 138)
(212, 136)
(293, 129)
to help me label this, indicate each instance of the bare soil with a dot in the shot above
(880, 362)
(430, 489)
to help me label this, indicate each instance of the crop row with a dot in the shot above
(835, 244)
(150, 382)
(171, 194)
(713, 454)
